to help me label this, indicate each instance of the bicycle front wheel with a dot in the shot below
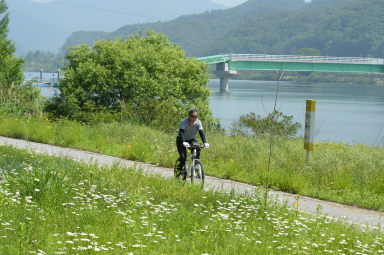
(197, 171)
(185, 170)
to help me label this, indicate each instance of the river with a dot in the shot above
(352, 113)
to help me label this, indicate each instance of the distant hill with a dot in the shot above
(196, 32)
(335, 27)
(46, 26)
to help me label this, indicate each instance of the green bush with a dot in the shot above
(252, 124)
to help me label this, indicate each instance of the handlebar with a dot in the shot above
(195, 146)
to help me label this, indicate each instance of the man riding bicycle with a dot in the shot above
(187, 135)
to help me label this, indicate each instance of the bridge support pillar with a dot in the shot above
(225, 74)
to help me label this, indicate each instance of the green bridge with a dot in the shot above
(228, 65)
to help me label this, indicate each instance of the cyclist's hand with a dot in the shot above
(186, 145)
(206, 145)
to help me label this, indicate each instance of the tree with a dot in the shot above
(306, 52)
(48, 61)
(15, 97)
(11, 65)
(144, 78)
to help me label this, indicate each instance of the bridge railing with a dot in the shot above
(312, 59)
(214, 59)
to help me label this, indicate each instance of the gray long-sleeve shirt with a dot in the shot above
(190, 131)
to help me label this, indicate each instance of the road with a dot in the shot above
(349, 214)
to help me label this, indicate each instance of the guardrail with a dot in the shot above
(214, 59)
(307, 59)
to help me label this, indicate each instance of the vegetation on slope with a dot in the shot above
(48, 61)
(56, 206)
(344, 28)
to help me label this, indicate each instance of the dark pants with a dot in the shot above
(183, 151)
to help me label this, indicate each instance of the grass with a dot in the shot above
(54, 205)
(350, 174)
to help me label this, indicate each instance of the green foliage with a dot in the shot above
(336, 28)
(20, 100)
(15, 98)
(256, 125)
(10, 71)
(48, 61)
(307, 52)
(358, 78)
(144, 78)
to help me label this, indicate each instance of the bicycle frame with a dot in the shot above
(192, 153)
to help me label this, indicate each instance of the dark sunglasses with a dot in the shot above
(193, 116)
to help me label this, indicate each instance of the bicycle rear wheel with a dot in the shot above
(197, 172)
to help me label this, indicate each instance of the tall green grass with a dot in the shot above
(351, 174)
(56, 206)
(20, 100)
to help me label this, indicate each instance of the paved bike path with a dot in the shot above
(350, 214)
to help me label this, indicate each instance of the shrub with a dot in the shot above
(252, 124)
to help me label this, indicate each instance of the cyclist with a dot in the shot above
(187, 135)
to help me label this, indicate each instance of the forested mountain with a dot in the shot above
(342, 28)
(335, 27)
(196, 32)
(45, 25)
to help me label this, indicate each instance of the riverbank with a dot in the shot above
(313, 77)
(350, 174)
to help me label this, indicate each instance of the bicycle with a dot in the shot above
(194, 169)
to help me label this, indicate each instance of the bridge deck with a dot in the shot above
(298, 63)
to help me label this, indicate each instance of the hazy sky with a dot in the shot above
(229, 2)
(236, 2)
(225, 2)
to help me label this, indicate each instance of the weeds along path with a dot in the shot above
(349, 214)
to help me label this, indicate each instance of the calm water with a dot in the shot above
(44, 91)
(351, 113)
